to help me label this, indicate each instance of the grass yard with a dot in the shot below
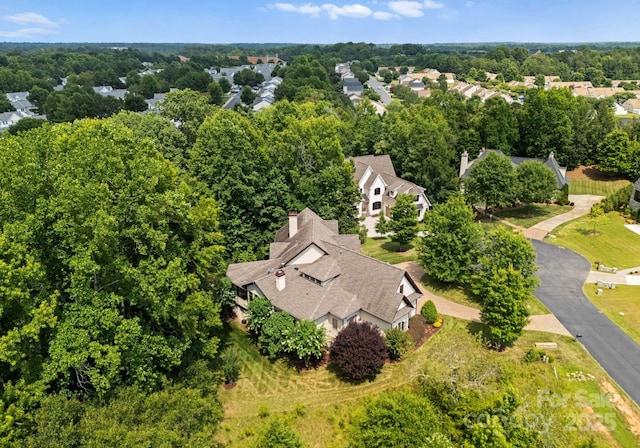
(528, 217)
(462, 295)
(597, 187)
(621, 305)
(614, 245)
(383, 249)
(318, 406)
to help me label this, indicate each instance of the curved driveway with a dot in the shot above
(562, 274)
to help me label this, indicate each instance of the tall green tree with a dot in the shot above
(231, 159)
(504, 308)
(535, 182)
(187, 109)
(492, 181)
(215, 94)
(503, 247)
(448, 248)
(404, 219)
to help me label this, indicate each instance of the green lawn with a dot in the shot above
(530, 216)
(384, 249)
(464, 296)
(598, 187)
(621, 305)
(614, 245)
(318, 406)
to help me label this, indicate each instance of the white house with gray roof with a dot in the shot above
(315, 273)
(380, 186)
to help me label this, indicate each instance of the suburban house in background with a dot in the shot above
(315, 273)
(559, 171)
(379, 187)
(634, 200)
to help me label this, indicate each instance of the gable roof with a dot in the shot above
(383, 167)
(340, 282)
(559, 171)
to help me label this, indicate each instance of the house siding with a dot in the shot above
(307, 256)
(634, 200)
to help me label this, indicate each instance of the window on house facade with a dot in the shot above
(636, 195)
(401, 325)
(401, 289)
(376, 191)
(377, 205)
(335, 323)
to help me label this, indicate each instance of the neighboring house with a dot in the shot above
(315, 273)
(632, 105)
(20, 101)
(352, 86)
(379, 187)
(559, 171)
(110, 91)
(634, 200)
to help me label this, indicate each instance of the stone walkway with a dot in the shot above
(542, 322)
(583, 204)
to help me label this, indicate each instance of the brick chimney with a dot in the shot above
(280, 280)
(293, 223)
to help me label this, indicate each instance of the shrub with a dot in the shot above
(277, 434)
(429, 312)
(562, 196)
(398, 343)
(230, 365)
(617, 200)
(257, 312)
(273, 335)
(416, 328)
(534, 355)
(359, 351)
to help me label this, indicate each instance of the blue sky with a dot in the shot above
(291, 21)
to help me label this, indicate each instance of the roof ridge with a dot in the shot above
(363, 255)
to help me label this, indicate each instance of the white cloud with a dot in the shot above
(407, 8)
(333, 11)
(430, 4)
(382, 15)
(27, 33)
(356, 10)
(31, 18)
(302, 9)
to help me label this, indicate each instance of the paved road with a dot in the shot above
(231, 103)
(562, 274)
(378, 87)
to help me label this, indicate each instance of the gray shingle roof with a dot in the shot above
(342, 281)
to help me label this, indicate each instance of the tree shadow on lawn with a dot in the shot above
(392, 246)
(481, 332)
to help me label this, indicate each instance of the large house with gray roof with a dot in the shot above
(559, 171)
(380, 186)
(315, 273)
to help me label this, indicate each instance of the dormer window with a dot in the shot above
(401, 289)
(376, 191)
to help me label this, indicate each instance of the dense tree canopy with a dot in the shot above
(114, 257)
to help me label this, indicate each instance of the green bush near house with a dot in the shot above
(416, 328)
(429, 312)
(398, 343)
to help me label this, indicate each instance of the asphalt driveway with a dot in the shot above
(562, 274)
